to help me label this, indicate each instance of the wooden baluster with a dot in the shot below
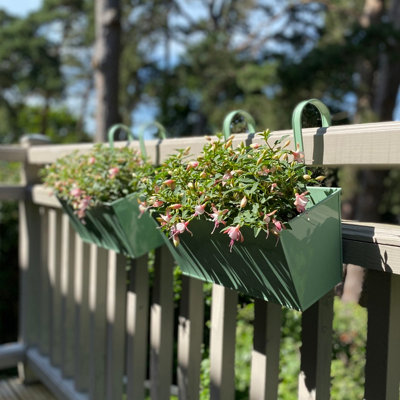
(161, 326)
(54, 265)
(29, 262)
(82, 315)
(137, 318)
(265, 354)
(45, 288)
(190, 338)
(222, 343)
(97, 306)
(67, 292)
(316, 350)
(382, 370)
(116, 304)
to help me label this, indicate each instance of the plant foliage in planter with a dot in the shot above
(247, 218)
(99, 192)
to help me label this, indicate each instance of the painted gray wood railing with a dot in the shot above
(88, 334)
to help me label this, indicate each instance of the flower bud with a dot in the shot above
(306, 177)
(243, 202)
(320, 178)
(286, 144)
(255, 145)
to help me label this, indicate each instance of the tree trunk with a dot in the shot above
(106, 65)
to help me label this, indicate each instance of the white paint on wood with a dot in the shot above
(12, 192)
(161, 326)
(316, 350)
(265, 354)
(51, 376)
(45, 288)
(11, 354)
(137, 317)
(67, 293)
(116, 303)
(374, 144)
(97, 307)
(222, 343)
(190, 338)
(54, 265)
(81, 295)
(13, 153)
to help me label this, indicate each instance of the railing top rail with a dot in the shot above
(13, 152)
(373, 144)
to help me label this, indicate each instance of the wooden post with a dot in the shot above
(161, 326)
(29, 258)
(82, 315)
(97, 306)
(316, 350)
(190, 338)
(382, 370)
(116, 304)
(222, 343)
(265, 354)
(137, 319)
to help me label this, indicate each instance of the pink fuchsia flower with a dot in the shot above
(264, 171)
(199, 210)
(164, 219)
(235, 235)
(298, 155)
(182, 226)
(192, 164)
(274, 186)
(142, 207)
(277, 225)
(177, 229)
(76, 192)
(255, 145)
(227, 176)
(83, 206)
(216, 217)
(301, 202)
(112, 172)
(170, 183)
(91, 160)
(175, 206)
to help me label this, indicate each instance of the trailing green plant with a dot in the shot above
(100, 176)
(261, 186)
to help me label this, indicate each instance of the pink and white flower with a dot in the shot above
(301, 202)
(235, 235)
(199, 210)
(216, 217)
(113, 172)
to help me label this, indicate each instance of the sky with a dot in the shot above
(20, 7)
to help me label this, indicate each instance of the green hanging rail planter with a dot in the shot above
(118, 225)
(295, 271)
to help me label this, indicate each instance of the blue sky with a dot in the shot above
(20, 7)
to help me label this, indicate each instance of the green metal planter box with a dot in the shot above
(295, 272)
(117, 226)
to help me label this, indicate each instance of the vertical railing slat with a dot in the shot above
(137, 317)
(265, 354)
(54, 264)
(82, 315)
(67, 282)
(97, 306)
(161, 326)
(222, 343)
(190, 338)
(382, 370)
(316, 350)
(116, 304)
(45, 288)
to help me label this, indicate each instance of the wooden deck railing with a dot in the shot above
(86, 334)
